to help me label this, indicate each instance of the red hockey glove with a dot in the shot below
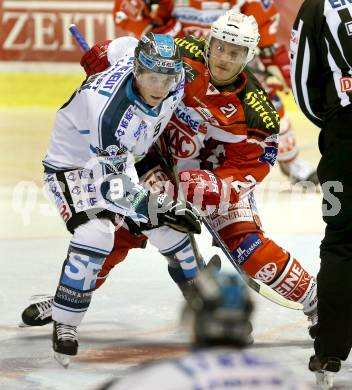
(276, 62)
(203, 188)
(95, 60)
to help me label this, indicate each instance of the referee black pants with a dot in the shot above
(334, 335)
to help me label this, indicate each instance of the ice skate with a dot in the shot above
(299, 170)
(65, 343)
(325, 370)
(38, 313)
(215, 263)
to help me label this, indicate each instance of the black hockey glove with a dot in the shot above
(151, 210)
(179, 215)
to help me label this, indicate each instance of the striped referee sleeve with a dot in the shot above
(304, 68)
(321, 58)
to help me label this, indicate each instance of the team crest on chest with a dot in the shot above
(182, 143)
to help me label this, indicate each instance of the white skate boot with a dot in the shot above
(299, 170)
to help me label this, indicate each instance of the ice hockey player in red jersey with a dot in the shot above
(181, 18)
(224, 141)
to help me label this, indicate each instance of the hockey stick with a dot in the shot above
(79, 37)
(254, 284)
(169, 166)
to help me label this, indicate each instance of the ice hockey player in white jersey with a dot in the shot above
(219, 315)
(110, 122)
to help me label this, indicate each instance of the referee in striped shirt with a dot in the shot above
(321, 74)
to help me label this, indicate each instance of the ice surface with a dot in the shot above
(133, 318)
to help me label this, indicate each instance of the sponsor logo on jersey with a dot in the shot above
(119, 71)
(182, 143)
(85, 173)
(191, 46)
(241, 213)
(55, 188)
(71, 176)
(76, 190)
(125, 121)
(339, 3)
(205, 19)
(186, 118)
(267, 273)
(140, 129)
(247, 247)
(269, 155)
(346, 84)
(266, 3)
(265, 112)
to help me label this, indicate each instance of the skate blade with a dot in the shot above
(324, 379)
(63, 360)
(23, 325)
(215, 263)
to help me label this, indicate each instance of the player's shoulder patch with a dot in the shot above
(266, 3)
(191, 47)
(259, 111)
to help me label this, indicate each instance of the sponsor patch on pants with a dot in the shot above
(247, 248)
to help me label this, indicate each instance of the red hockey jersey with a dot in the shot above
(232, 132)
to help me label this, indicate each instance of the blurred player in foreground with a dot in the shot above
(218, 316)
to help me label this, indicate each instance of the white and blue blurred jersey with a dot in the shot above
(220, 369)
(105, 124)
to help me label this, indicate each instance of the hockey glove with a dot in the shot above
(276, 62)
(179, 215)
(203, 188)
(96, 60)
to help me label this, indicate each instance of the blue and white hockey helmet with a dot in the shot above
(158, 53)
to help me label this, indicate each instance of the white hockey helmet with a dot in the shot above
(238, 29)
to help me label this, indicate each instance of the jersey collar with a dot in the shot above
(137, 101)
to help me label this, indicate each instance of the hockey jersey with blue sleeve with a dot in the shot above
(105, 126)
(105, 121)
